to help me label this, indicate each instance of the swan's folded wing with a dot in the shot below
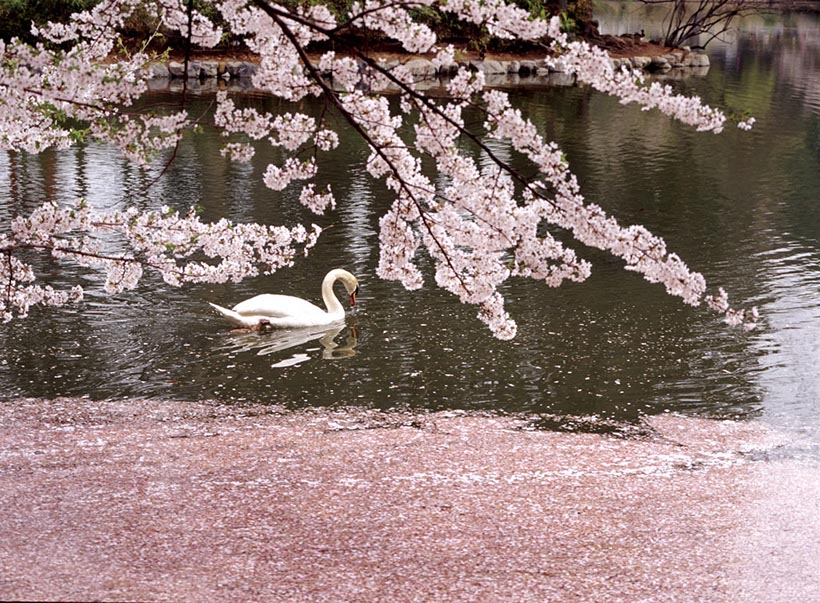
(278, 306)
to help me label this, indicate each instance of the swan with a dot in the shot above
(268, 311)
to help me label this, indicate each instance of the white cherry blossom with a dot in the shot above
(479, 224)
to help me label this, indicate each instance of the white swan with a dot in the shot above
(287, 312)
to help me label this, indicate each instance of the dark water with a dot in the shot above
(740, 207)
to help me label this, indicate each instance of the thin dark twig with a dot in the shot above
(171, 159)
(164, 168)
(187, 52)
(89, 254)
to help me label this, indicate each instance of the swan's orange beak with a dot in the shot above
(353, 296)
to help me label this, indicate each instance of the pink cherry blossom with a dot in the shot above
(478, 223)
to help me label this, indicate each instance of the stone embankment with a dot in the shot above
(677, 63)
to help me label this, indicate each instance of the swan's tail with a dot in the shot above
(232, 317)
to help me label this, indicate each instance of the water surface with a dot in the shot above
(742, 208)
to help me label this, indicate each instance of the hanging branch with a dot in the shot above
(480, 226)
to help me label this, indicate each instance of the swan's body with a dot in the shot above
(287, 312)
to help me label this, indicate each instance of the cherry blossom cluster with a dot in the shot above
(746, 124)
(277, 178)
(164, 240)
(49, 88)
(345, 72)
(479, 220)
(592, 66)
(289, 130)
(292, 131)
(281, 70)
(473, 228)
(501, 19)
(141, 137)
(174, 15)
(476, 228)
(642, 251)
(315, 201)
(394, 21)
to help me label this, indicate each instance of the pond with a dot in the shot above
(742, 208)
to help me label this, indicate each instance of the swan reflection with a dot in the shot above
(268, 341)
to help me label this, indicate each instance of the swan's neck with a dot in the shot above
(331, 301)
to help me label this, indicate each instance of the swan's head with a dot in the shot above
(352, 288)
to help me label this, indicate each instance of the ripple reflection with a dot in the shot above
(279, 340)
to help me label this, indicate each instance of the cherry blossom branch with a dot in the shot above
(354, 122)
(159, 240)
(643, 252)
(481, 225)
